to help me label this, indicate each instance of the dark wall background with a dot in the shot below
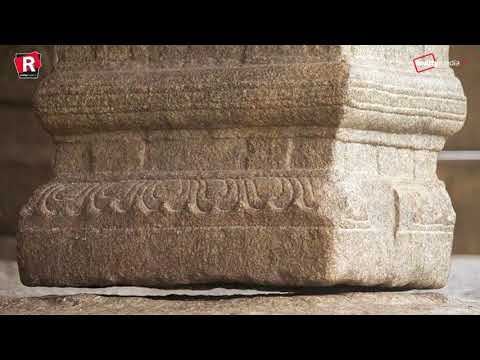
(463, 177)
(26, 150)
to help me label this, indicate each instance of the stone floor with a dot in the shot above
(461, 296)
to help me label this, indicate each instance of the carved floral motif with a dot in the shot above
(197, 196)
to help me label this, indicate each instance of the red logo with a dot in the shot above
(425, 62)
(28, 64)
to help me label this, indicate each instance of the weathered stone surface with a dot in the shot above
(255, 165)
(338, 304)
(461, 296)
(464, 282)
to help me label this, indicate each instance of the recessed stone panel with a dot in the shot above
(360, 158)
(396, 162)
(73, 158)
(265, 153)
(118, 153)
(196, 154)
(425, 164)
(312, 153)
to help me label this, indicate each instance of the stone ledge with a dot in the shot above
(384, 303)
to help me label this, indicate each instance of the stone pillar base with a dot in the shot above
(315, 170)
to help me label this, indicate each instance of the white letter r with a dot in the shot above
(28, 62)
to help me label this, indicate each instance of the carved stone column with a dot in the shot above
(254, 165)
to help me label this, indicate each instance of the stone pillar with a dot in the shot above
(252, 165)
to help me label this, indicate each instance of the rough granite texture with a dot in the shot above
(338, 304)
(298, 166)
(460, 296)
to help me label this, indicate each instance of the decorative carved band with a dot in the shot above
(197, 197)
(225, 202)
